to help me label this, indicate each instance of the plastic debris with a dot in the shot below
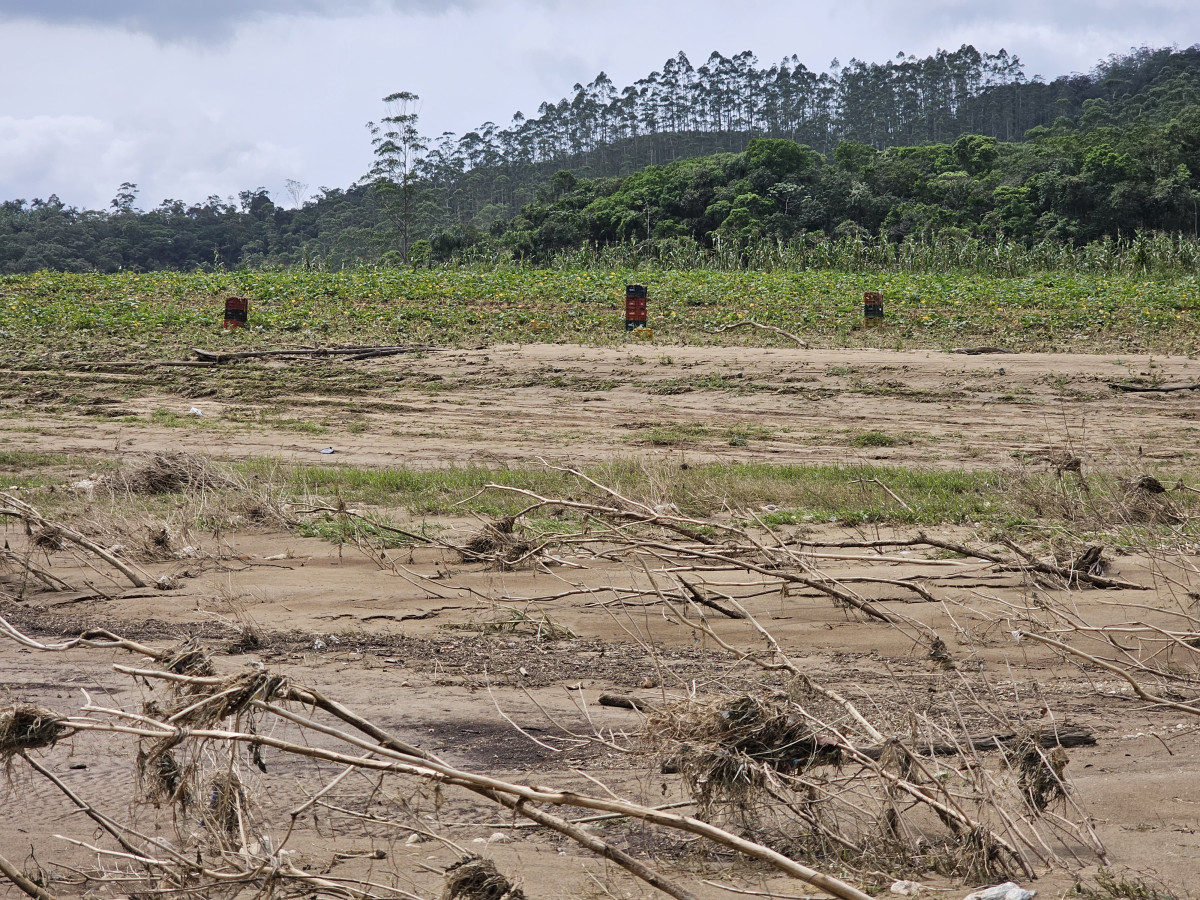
(87, 486)
(196, 411)
(1010, 890)
(326, 450)
(319, 645)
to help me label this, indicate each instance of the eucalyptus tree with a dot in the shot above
(398, 150)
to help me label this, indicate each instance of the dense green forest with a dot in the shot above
(723, 158)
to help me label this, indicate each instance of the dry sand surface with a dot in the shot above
(452, 654)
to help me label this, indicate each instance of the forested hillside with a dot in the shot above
(727, 154)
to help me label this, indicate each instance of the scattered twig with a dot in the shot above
(18, 509)
(623, 702)
(752, 324)
(9, 871)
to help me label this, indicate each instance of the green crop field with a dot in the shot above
(161, 314)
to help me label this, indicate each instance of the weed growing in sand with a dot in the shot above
(1109, 885)
(874, 439)
(1118, 508)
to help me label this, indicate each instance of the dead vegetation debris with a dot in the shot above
(1040, 773)
(167, 473)
(189, 658)
(498, 543)
(162, 778)
(26, 727)
(477, 878)
(725, 747)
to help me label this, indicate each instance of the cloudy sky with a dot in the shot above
(189, 99)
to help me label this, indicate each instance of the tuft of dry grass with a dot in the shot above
(189, 659)
(727, 748)
(1040, 774)
(226, 804)
(498, 543)
(162, 778)
(167, 473)
(25, 727)
(204, 706)
(476, 878)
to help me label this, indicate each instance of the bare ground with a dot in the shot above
(449, 654)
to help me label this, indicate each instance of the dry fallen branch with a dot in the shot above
(251, 694)
(1192, 707)
(9, 871)
(11, 507)
(1140, 389)
(350, 353)
(760, 325)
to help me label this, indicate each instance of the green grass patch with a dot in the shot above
(807, 493)
(875, 439)
(345, 530)
(20, 460)
(146, 315)
(777, 494)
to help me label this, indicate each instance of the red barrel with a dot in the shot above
(236, 309)
(872, 308)
(635, 306)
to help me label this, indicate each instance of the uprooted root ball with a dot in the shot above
(476, 878)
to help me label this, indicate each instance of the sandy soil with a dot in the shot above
(447, 654)
(515, 404)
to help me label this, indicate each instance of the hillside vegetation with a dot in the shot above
(724, 159)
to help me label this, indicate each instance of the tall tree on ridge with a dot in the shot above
(398, 148)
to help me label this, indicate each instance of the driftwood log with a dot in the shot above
(1164, 389)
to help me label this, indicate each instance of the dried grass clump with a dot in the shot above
(248, 640)
(157, 544)
(226, 804)
(48, 539)
(1146, 503)
(1095, 503)
(727, 749)
(168, 473)
(476, 878)
(162, 778)
(976, 858)
(497, 543)
(205, 705)
(25, 727)
(189, 659)
(1040, 774)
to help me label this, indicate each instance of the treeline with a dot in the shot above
(1063, 185)
(681, 112)
(960, 144)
